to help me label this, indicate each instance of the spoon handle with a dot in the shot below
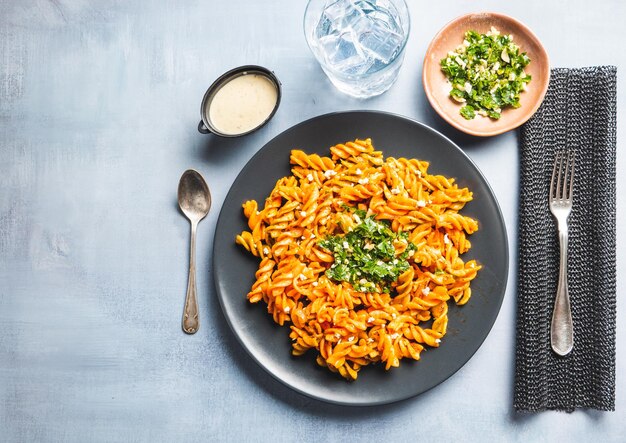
(190, 313)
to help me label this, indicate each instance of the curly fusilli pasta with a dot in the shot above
(352, 328)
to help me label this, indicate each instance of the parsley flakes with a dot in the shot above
(366, 257)
(486, 73)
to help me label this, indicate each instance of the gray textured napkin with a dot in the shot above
(579, 113)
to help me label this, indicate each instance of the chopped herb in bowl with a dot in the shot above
(486, 73)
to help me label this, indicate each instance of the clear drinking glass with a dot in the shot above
(359, 43)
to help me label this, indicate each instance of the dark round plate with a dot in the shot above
(269, 344)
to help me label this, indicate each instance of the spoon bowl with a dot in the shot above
(194, 200)
(194, 197)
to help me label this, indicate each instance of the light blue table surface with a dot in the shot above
(99, 102)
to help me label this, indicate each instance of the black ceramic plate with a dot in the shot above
(269, 344)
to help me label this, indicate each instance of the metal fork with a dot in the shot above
(561, 194)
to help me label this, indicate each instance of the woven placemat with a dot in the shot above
(579, 113)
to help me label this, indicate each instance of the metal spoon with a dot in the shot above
(194, 200)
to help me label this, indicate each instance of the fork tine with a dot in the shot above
(552, 189)
(559, 183)
(565, 167)
(570, 194)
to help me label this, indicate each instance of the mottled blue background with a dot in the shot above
(99, 102)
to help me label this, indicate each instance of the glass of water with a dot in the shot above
(359, 43)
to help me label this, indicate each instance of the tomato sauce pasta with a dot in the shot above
(383, 311)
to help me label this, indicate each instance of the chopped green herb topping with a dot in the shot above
(365, 256)
(486, 73)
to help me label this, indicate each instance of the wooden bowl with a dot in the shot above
(437, 87)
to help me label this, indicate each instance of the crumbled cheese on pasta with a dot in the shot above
(394, 335)
(351, 338)
(364, 181)
(370, 340)
(426, 290)
(370, 319)
(330, 173)
(358, 171)
(303, 213)
(266, 251)
(302, 277)
(315, 283)
(394, 315)
(303, 238)
(395, 191)
(421, 203)
(286, 309)
(310, 177)
(446, 239)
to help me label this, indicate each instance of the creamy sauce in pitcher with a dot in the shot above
(242, 104)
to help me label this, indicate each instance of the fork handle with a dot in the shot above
(562, 331)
